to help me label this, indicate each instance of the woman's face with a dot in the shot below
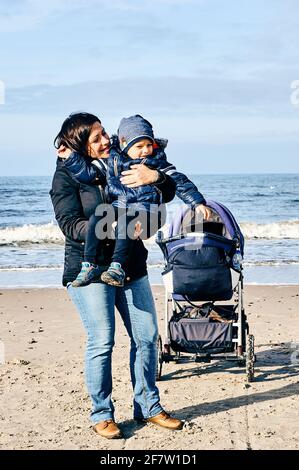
(98, 143)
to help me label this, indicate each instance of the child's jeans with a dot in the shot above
(151, 221)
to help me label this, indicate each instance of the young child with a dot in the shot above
(135, 144)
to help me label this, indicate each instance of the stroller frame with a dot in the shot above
(243, 342)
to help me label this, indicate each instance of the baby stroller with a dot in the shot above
(203, 266)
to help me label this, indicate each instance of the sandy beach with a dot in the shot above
(44, 402)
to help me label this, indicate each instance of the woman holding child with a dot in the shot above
(75, 200)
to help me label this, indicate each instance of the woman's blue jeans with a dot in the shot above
(135, 304)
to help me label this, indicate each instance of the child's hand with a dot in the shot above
(204, 210)
(138, 230)
(63, 152)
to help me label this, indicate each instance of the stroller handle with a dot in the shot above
(160, 240)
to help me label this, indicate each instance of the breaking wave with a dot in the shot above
(50, 234)
(274, 230)
(31, 235)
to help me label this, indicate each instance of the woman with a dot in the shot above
(73, 205)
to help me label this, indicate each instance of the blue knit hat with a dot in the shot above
(133, 129)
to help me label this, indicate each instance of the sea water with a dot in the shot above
(266, 206)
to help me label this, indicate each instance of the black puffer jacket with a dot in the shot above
(73, 204)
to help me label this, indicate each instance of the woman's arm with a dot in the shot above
(140, 175)
(67, 206)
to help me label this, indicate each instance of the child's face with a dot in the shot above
(142, 149)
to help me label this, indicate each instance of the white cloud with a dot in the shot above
(211, 95)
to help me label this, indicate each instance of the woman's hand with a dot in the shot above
(204, 210)
(139, 175)
(63, 152)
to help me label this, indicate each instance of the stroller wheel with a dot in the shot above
(250, 358)
(159, 359)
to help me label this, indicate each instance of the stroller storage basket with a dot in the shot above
(200, 273)
(200, 336)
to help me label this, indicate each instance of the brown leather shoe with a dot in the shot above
(164, 420)
(108, 429)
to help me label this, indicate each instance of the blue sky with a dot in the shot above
(213, 76)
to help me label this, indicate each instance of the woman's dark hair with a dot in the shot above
(75, 132)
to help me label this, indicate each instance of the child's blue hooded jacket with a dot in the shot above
(86, 170)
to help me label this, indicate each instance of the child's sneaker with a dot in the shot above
(88, 273)
(115, 275)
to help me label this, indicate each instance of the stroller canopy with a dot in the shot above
(227, 218)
